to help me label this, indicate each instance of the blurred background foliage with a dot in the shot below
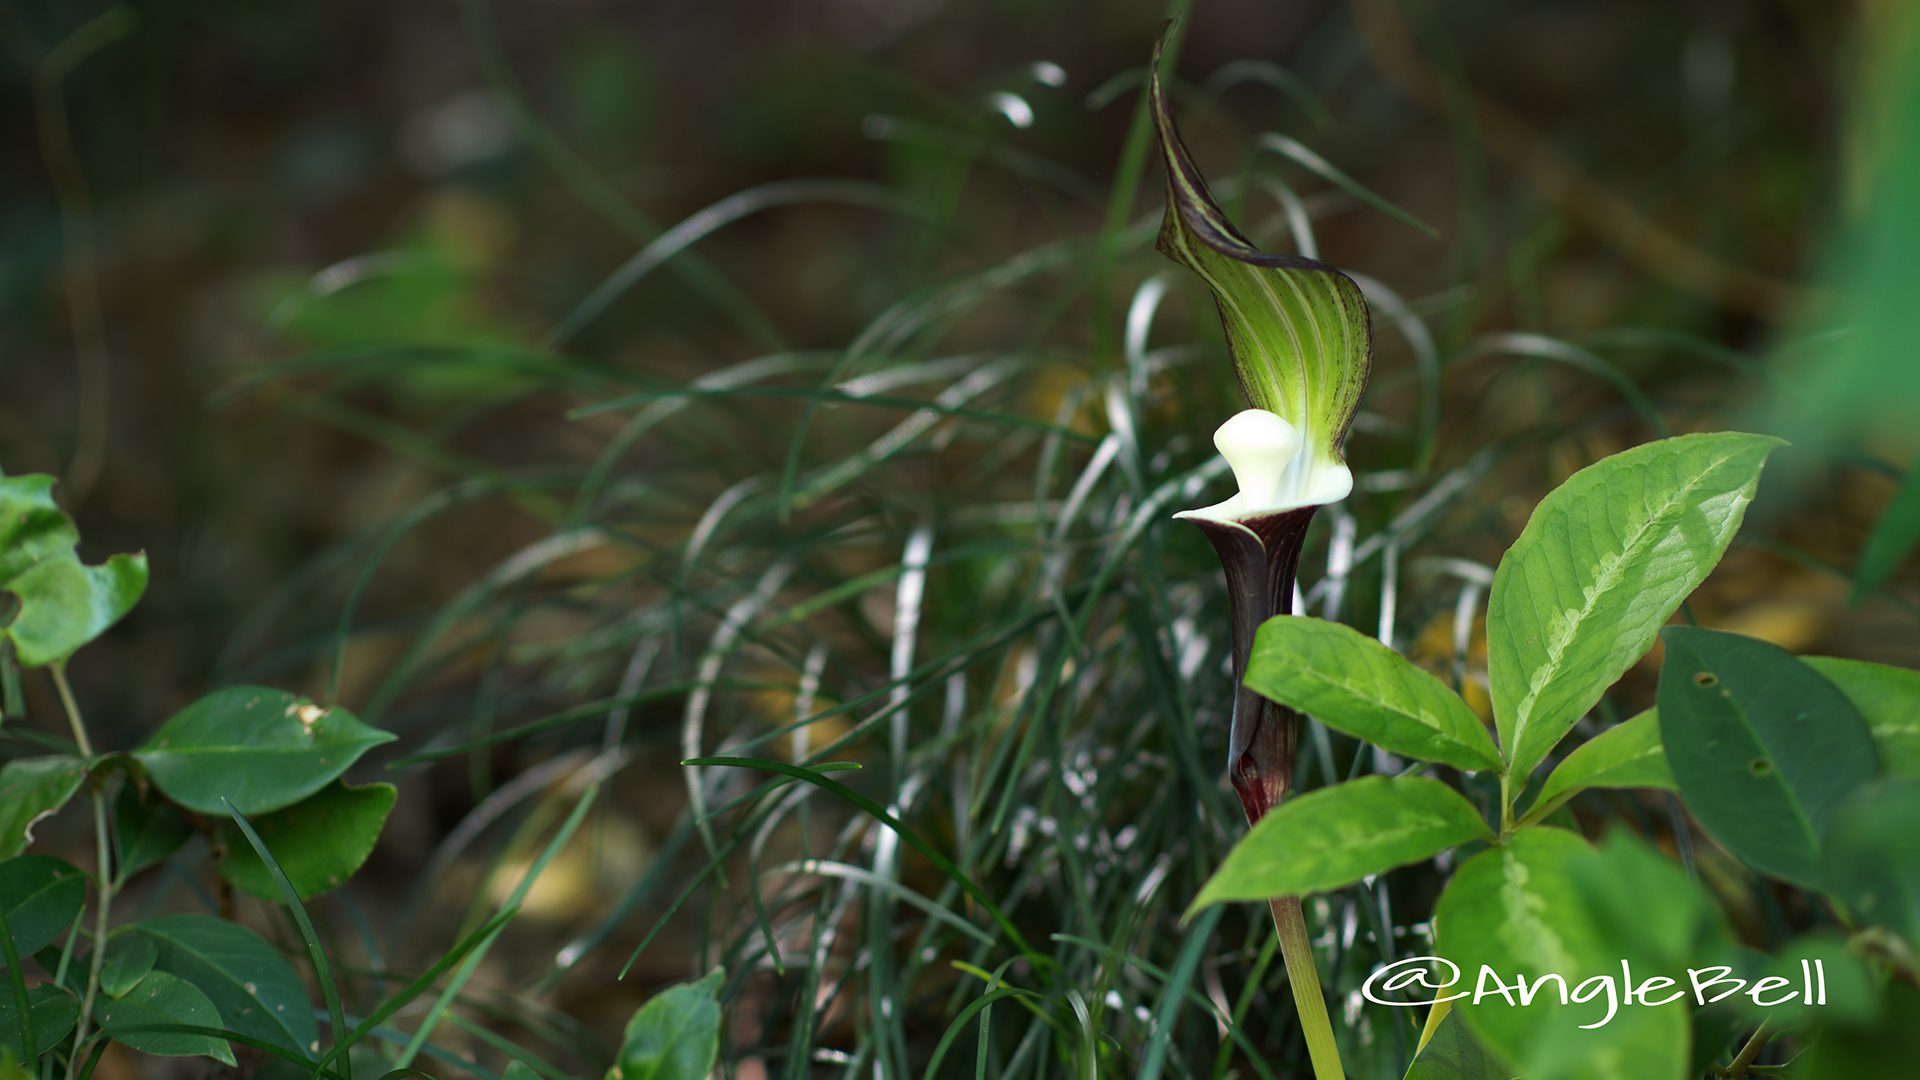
(319, 303)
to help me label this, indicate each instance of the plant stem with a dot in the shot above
(1295, 948)
(1743, 1061)
(73, 711)
(103, 871)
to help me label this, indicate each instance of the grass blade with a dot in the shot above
(322, 972)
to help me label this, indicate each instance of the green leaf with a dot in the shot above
(1605, 559)
(1762, 746)
(1454, 1054)
(54, 1012)
(1337, 835)
(32, 789)
(263, 749)
(1871, 856)
(1626, 755)
(1851, 987)
(319, 841)
(129, 958)
(40, 896)
(63, 603)
(146, 828)
(1648, 908)
(1354, 684)
(1298, 329)
(516, 1070)
(675, 1035)
(162, 1000)
(254, 988)
(1889, 701)
(1885, 1046)
(323, 971)
(32, 526)
(1516, 911)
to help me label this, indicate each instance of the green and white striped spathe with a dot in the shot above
(1297, 328)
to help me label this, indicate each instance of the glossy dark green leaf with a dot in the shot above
(262, 749)
(1352, 683)
(129, 958)
(1605, 560)
(255, 990)
(156, 1002)
(1762, 746)
(1888, 698)
(54, 1013)
(1871, 854)
(675, 1035)
(1454, 1054)
(1626, 755)
(147, 829)
(31, 789)
(40, 895)
(63, 603)
(319, 841)
(1335, 836)
(1518, 911)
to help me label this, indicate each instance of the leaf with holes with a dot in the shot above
(1337, 835)
(1354, 684)
(675, 1035)
(263, 749)
(32, 789)
(1605, 559)
(319, 841)
(1762, 746)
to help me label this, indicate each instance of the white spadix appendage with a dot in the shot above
(1276, 469)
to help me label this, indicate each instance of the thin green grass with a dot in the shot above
(940, 553)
